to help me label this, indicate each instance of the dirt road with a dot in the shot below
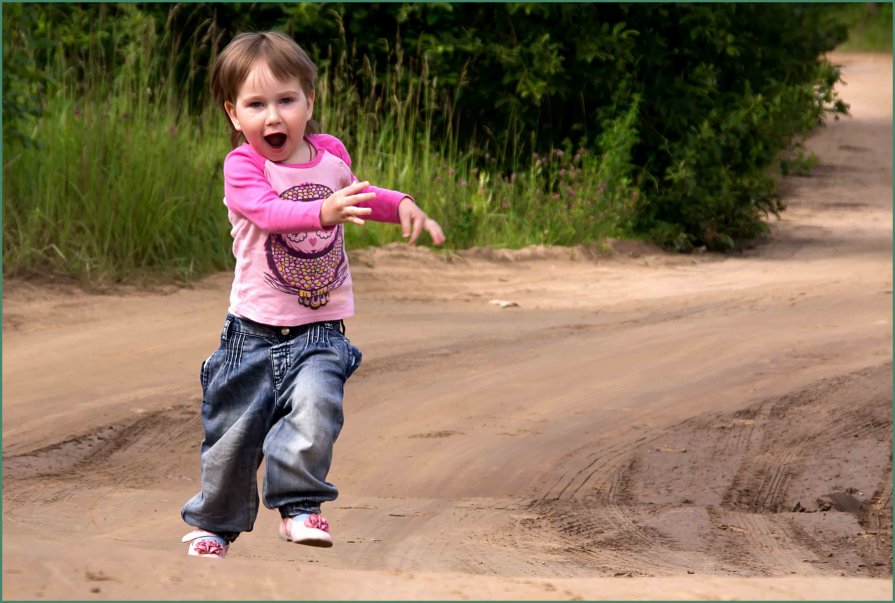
(639, 426)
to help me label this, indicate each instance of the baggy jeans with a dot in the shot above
(269, 392)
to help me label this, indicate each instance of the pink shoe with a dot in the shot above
(206, 544)
(312, 530)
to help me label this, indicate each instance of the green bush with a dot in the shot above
(726, 88)
(723, 89)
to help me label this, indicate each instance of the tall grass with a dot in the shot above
(121, 186)
(119, 183)
(123, 183)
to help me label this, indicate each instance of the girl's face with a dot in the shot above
(272, 115)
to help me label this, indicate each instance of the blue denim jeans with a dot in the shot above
(276, 393)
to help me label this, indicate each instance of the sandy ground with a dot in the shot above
(641, 425)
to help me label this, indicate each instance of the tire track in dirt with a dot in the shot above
(614, 503)
(130, 454)
(593, 508)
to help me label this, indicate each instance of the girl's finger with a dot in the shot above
(406, 218)
(435, 232)
(355, 220)
(351, 189)
(417, 229)
(360, 198)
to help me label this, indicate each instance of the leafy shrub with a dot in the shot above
(722, 89)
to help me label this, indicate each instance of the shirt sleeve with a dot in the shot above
(385, 205)
(249, 193)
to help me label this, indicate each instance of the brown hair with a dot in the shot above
(283, 56)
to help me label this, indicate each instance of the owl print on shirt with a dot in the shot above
(309, 265)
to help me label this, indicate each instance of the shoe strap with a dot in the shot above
(203, 534)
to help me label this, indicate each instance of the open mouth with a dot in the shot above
(276, 140)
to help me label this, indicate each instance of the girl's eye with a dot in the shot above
(287, 101)
(255, 105)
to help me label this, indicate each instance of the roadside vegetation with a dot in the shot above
(869, 26)
(512, 124)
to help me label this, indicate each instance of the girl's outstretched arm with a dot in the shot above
(385, 202)
(386, 205)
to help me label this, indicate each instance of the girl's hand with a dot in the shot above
(341, 206)
(414, 220)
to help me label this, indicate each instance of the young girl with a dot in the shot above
(274, 386)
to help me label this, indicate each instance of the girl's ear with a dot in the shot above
(231, 113)
(311, 97)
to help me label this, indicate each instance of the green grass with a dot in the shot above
(119, 187)
(122, 184)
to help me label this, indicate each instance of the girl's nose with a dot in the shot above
(273, 116)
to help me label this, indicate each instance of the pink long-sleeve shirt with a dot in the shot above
(291, 270)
